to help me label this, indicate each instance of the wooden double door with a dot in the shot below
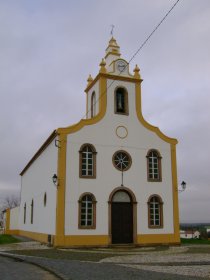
(122, 222)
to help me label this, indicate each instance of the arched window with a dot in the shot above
(87, 211)
(24, 214)
(45, 199)
(121, 101)
(32, 211)
(155, 212)
(93, 104)
(154, 166)
(87, 167)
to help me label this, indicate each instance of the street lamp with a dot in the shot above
(183, 186)
(55, 179)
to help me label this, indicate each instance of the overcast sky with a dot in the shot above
(48, 48)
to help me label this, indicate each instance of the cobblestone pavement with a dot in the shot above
(138, 263)
(170, 261)
(11, 269)
(76, 270)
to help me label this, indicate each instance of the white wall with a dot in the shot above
(103, 136)
(14, 218)
(37, 181)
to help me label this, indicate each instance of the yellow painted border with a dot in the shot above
(103, 240)
(12, 232)
(85, 240)
(111, 76)
(96, 240)
(155, 239)
(175, 192)
(42, 237)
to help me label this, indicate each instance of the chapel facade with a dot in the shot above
(114, 174)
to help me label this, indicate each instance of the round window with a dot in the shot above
(122, 160)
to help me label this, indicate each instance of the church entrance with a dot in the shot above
(121, 218)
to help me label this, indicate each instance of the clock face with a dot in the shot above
(121, 65)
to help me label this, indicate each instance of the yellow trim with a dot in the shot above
(7, 229)
(103, 240)
(61, 173)
(149, 239)
(96, 240)
(146, 124)
(111, 76)
(83, 240)
(42, 237)
(175, 192)
(12, 232)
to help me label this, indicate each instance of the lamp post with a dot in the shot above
(55, 180)
(183, 186)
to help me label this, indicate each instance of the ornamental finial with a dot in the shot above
(136, 72)
(89, 80)
(103, 64)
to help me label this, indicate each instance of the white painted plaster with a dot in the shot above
(37, 181)
(14, 218)
(103, 136)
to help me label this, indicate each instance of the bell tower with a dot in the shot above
(114, 69)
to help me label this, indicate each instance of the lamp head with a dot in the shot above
(55, 179)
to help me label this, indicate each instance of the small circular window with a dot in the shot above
(122, 160)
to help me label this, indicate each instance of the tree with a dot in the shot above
(11, 201)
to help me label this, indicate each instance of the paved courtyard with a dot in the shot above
(174, 263)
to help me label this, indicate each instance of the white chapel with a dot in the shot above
(110, 179)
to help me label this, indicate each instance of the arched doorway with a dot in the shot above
(122, 216)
